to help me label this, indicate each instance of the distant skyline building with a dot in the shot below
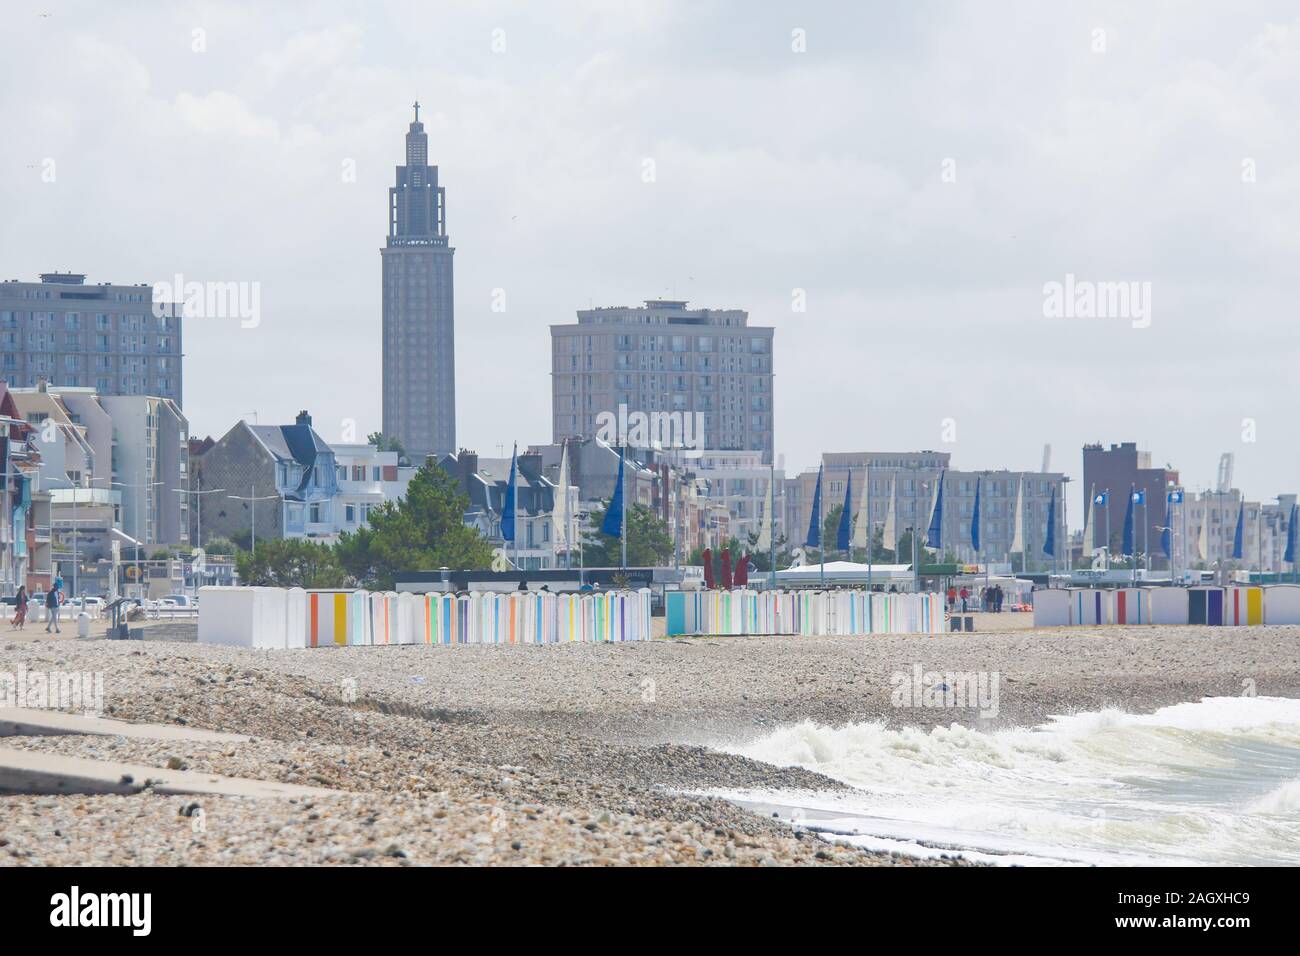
(908, 480)
(708, 371)
(419, 347)
(1120, 469)
(103, 337)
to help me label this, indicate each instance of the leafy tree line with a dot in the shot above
(418, 532)
(425, 530)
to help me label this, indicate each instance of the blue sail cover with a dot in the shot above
(1290, 537)
(845, 531)
(613, 523)
(1049, 542)
(814, 524)
(1126, 543)
(934, 536)
(511, 503)
(1238, 536)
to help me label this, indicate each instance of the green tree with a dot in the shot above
(389, 443)
(423, 531)
(762, 558)
(648, 542)
(219, 546)
(289, 563)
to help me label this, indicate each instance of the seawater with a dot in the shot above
(1212, 782)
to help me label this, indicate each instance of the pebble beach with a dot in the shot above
(554, 755)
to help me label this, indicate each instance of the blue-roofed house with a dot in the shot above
(485, 480)
(290, 466)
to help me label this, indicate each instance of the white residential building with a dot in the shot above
(110, 461)
(367, 477)
(738, 480)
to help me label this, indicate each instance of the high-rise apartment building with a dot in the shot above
(419, 351)
(104, 337)
(708, 367)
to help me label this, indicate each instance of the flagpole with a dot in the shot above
(571, 524)
(871, 528)
(1061, 527)
(515, 491)
(623, 515)
(1146, 543)
(1107, 494)
(771, 523)
(1182, 506)
(821, 525)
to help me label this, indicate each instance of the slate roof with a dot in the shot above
(297, 443)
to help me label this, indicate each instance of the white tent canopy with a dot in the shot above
(844, 574)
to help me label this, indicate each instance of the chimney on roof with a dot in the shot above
(530, 465)
(468, 466)
(303, 418)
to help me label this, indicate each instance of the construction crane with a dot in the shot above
(1225, 472)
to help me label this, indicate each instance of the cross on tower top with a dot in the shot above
(417, 111)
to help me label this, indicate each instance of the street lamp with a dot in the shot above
(73, 487)
(199, 505)
(252, 498)
(582, 517)
(139, 516)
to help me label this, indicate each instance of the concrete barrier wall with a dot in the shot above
(807, 613)
(274, 617)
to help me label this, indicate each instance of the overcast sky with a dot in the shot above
(1162, 149)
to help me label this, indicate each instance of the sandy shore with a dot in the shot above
(569, 754)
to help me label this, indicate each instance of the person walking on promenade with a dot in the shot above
(53, 599)
(20, 608)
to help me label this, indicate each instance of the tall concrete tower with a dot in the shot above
(419, 325)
